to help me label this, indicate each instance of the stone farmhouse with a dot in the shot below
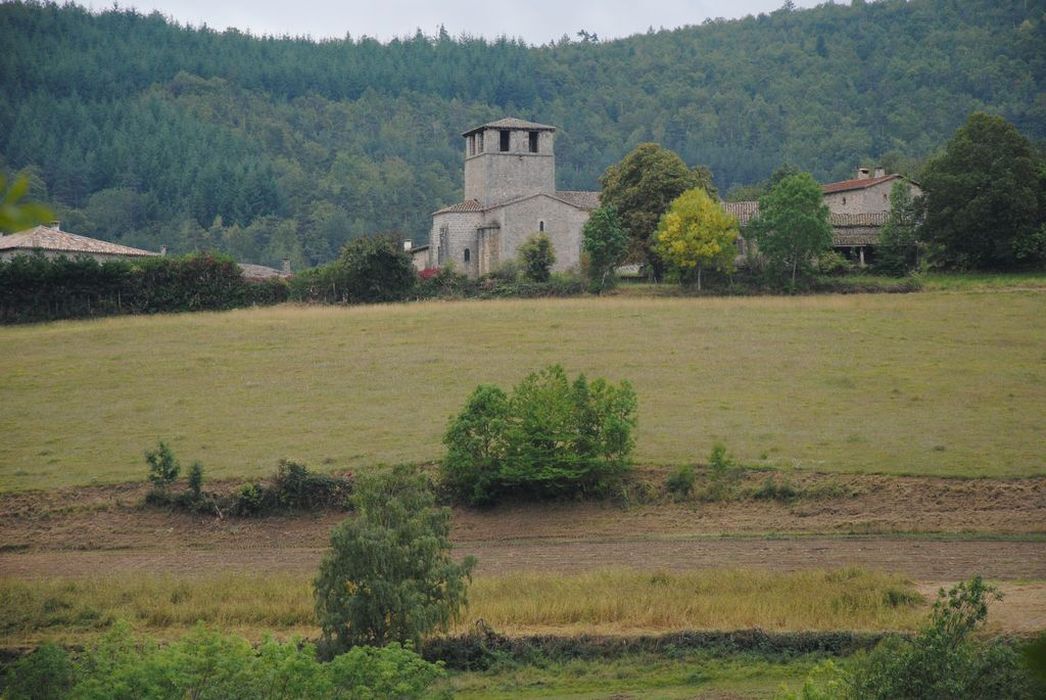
(52, 242)
(857, 211)
(510, 195)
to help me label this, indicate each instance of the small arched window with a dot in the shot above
(467, 255)
(844, 200)
(541, 226)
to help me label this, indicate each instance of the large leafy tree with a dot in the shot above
(898, 251)
(792, 227)
(641, 187)
(15, 214)
(389, 575)
(696, 232)
(986, 196)
(605, 241)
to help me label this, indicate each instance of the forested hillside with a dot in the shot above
(143, 131)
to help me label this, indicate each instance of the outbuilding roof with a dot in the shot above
(511, 123)
(53, 239)
(859, 183)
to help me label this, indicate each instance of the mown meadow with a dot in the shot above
(943, 383)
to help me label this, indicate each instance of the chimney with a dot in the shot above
(863, 173)
(880, 171)
(407, 245)
(56, 225)
(163, 250)
(286, 268)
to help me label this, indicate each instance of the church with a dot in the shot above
(510, 195)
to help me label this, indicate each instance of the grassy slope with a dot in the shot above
(948, 383)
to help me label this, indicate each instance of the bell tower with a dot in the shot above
(507, 159)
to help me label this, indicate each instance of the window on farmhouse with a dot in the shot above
(533, 142)
(472, 145)
(467, 256)
(479, 142)
(504, 140)
(541, 226)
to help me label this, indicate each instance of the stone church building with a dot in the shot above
(510, 195)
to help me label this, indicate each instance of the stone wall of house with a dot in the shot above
(495, 176)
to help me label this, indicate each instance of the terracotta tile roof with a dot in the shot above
(45, 238)
(580, 199)
(856, 184)
(466, 206)
(744, 211)
(511, 123)
(875, 218)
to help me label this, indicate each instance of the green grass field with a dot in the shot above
(939, 383)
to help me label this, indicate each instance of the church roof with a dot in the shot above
(574, 198)
(46, 238)
(511, 123)
(466, 206)
(581, 200)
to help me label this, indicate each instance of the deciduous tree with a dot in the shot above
(641, 187)
(389, 575)
(696, 232)
(792, 227)
(605, 241)
(986, 196)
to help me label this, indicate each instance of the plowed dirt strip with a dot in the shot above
(921, 560)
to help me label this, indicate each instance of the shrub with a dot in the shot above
(374, 269)
(195, 480)
(771, 490)
(724, 476)
(537, 257)
(206, 664)
(944, 660)
(163, 467)
(44, 674)
(551, 437)
(296, 488)
(680, 483)
(389, 575)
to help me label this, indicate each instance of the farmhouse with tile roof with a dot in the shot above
(52, 242)
(857, 210)
(510, 194)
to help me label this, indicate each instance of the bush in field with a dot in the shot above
(206, 664)
(944, 660)
(680, 483)
(46, 673)
(374, 269)
(551, 437)
(163, 467)
(389, 575)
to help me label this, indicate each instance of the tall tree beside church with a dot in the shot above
(985, 200)
(641, 187)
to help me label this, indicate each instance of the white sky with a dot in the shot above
(537, 21)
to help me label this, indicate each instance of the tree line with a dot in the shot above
(143, 131)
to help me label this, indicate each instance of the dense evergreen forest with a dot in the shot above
(139, 130)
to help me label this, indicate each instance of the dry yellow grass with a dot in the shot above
(602, 602)
(950, 383)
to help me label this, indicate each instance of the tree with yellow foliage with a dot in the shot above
(696, 232)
